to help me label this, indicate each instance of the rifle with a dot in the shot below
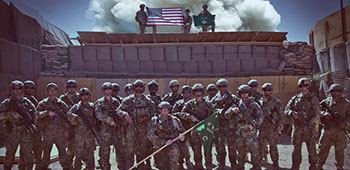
(88, 124)
(173, 134)
(247, 116)
(336, 118)
(27, 120)
(300, 111)
(268, 116)
(61, 115)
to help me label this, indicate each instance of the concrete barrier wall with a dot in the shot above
(180, 60)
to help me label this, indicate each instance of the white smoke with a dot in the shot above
(118, 16)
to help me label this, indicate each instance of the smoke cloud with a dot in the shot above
(118, 16)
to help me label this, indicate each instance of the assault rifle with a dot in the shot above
(246, 115)
(87, 122)
(27, 119)
(336, 118)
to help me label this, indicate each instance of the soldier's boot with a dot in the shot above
(275, 165)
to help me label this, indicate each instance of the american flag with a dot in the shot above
(165, 17)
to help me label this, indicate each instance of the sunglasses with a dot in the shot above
(212, 90)
(116, 90)
(29, 87)
(71, 86)
(174, 86)
(107, 88)
(244, 92)
(138, 86)
(267, 89)
(16, 88)
(85, 94)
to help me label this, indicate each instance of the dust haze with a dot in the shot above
(118, 16)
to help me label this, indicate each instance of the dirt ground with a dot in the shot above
(285, 157)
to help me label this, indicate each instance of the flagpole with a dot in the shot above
(160, 149)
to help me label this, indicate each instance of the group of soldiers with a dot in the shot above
(139, 124)
(142, 18)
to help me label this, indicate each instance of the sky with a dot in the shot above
(297, 16)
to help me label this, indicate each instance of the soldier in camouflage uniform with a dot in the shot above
(162, 130)
(186, 91)
(71, 98)
(248, 116)
(141, 18)
(187, 22)
(120, 133)
(53, 111)
(195, 110)
(115, 91)
(82, 116)
(29, 87)
(128, 89)
(18, 113)
(141, 109)
(304, 107)
(205, 12)
(254, 94)
(153, 89)
(335, 117)
(107, 113)
(272, 125)
(211, 92)
(222, 101)
(173, 96)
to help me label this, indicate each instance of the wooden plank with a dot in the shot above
(204, 81)
(288, 84)
(43, 81)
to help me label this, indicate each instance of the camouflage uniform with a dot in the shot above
(226, 129)
(187, 22)
(141, 18)
(169, 97)
(310, 105)
(106, 112)
(53, 130)
(84, 138)
(245, 137)
(70, 100)
(207, 13)
(17, 133)
(176, 111)
(141, 110)
(273, 118)
(37, 141)
(200, 110)
(159, 131)
(333, 135)
(156, 99)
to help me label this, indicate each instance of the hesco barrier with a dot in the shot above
(282, 84)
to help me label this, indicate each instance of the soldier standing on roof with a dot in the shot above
(141, 18)
(205, 12)
(187, 22)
